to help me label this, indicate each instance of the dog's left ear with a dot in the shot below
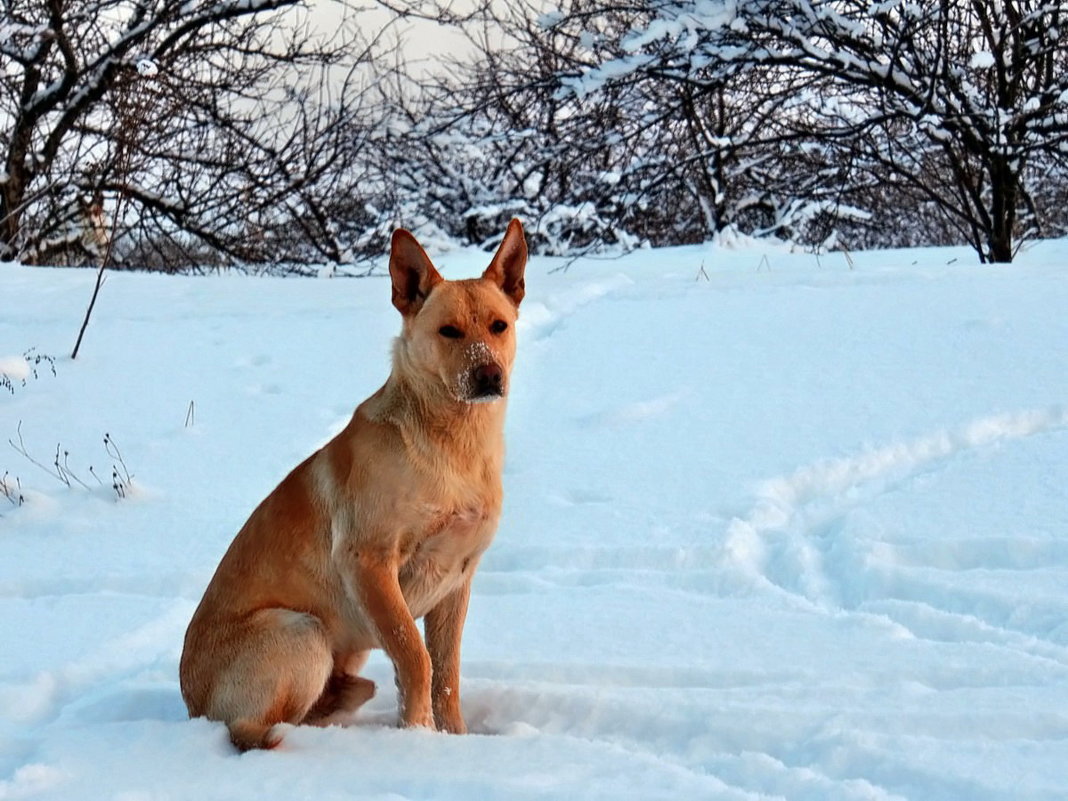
(509, 262)
(411, 271)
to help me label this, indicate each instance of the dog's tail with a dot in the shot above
(248, 734)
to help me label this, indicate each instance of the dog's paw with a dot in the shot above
(342, 694)
(417, 719)
(450, 723)
(353, 692)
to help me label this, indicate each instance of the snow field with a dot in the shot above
(795, 531)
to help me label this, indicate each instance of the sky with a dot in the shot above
(422, 40)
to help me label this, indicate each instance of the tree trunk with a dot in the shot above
(1003, 196)
(12, 195)
(1001, 248)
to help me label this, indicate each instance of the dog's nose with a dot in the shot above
(488, 379)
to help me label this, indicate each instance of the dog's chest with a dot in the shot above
(440, 556)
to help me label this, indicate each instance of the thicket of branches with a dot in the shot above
(234, 133)
(237, 136)
(826, 122)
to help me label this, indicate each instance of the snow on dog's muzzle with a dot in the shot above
(484, 379)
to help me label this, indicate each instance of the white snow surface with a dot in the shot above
(776, 527)
(16, 368)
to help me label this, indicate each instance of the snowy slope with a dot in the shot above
(794, 531)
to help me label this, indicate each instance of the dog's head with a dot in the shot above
(458, 336)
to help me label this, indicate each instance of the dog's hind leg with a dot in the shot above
(278, 665)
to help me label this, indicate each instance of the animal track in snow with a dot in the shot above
(636, 411)
(794, 538)
(540, 319)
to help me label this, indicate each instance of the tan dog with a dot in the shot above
(383, 525)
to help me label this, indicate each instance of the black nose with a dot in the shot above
(488, 379)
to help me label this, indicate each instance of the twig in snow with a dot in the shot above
(848, 258)
(132, 114)
(56, 473)
(121, 479)
(33, 361)
(12, 493)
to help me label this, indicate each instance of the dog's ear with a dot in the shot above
(411, 271)
(509, 262)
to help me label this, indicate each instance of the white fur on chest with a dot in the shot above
(443, 557)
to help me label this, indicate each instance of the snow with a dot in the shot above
(775, 527)
(146, 67)
(550, 18)
(16, 368)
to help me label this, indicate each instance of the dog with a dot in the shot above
(383, 525)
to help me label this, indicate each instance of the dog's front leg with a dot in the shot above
(444, 628)
(380, 594)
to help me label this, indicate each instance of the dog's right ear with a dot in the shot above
(509, 263)
(412, 273)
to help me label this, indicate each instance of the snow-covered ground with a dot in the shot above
(781, 529)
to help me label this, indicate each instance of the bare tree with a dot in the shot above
(248, 136)
(953, 101)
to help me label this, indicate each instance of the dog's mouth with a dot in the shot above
(488, 397)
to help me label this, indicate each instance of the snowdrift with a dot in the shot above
(775, 527)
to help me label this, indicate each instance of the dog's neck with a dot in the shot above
(433, 422)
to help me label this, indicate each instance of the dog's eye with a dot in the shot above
(451, 332)
(498, 326)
